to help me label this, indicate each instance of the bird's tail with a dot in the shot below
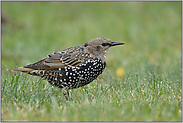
(22, 69)
(29, 71)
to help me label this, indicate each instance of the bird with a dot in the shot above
(72, 67)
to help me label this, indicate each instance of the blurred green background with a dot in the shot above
(151, 31)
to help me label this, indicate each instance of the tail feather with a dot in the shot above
(22, 69)
(29, 71)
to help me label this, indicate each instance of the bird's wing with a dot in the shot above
(73, 56)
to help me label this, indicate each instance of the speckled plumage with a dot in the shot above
(72, 67)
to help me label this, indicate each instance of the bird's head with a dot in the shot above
(100, 46)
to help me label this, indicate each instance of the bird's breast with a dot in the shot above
(74, 77)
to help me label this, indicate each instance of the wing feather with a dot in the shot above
(73, 56)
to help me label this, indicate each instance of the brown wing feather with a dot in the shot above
(73, 56)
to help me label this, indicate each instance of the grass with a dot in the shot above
(151, 88)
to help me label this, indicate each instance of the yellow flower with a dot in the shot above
(120, 72)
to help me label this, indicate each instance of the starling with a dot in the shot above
(73, 67)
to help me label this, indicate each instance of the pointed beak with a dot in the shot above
(116, 43)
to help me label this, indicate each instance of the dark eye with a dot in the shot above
(105, 44)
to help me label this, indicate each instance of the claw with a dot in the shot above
(65, 92)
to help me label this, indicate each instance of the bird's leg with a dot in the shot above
(65, 92)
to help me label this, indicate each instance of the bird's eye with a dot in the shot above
(105, 44)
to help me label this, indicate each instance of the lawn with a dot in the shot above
(150, 88)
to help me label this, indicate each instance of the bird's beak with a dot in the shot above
(116, 43)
